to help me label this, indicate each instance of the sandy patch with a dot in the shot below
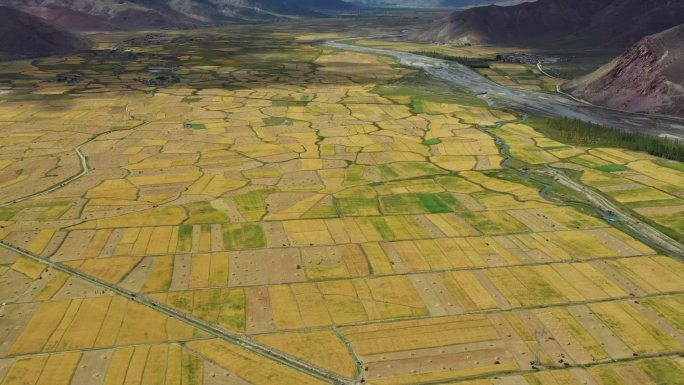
(258, 310)
(436, 296)
(265, 267)
(74, 245)
(92, 368)
(181, 272)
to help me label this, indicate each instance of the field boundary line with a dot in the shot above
(232, 337)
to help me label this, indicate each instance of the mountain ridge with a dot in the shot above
(25, 36)
(595, 23)
(177, 14)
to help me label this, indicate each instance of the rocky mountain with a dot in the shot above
(135, 14)
(595, 23)
(23, 36)
(649, 77)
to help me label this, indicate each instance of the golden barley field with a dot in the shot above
(288, 213)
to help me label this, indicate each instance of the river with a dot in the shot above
(526, 100)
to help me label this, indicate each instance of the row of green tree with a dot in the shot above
(579, 132)
(466, 61)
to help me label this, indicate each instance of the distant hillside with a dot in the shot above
(23, 35)
(596, 23)
(649, 77)
(137, 14)
(430, 3)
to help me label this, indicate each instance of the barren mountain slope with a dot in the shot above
(24, 35)
(135, 14)
(595, 23)
(649, 77)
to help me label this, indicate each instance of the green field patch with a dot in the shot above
(655, 203)
(549, 87)
(204, 212)
(7, 213)
(383, 228)
(185, 238)
(417, 203)
(670, 224)
(402, 204)
(355, 175)
(322, 209)
(252, 206)
(54, 212)
(238, 236)
(557, 148)
(275, 121)
(440, 203)
(493, 222)
(432, 141)
(357, 207)
(421, 106)
(663, 371)
(232, 313)
(192, 372)
(613, 168)
(181, 300)
(420, 87)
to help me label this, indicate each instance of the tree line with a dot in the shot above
(580, 132)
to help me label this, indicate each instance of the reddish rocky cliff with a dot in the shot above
(649, 77)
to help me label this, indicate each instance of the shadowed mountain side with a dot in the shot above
(70, 19)
(23, 35)
(590, 23)
(138, 14)
(649, 77)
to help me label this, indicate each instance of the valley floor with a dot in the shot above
(248, 206)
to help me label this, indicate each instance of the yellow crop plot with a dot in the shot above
(321, 348)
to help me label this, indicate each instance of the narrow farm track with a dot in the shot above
(235, 338)
(83, 160)
(559, 88)
(84, 170)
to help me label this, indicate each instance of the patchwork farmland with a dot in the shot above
(288, 213)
